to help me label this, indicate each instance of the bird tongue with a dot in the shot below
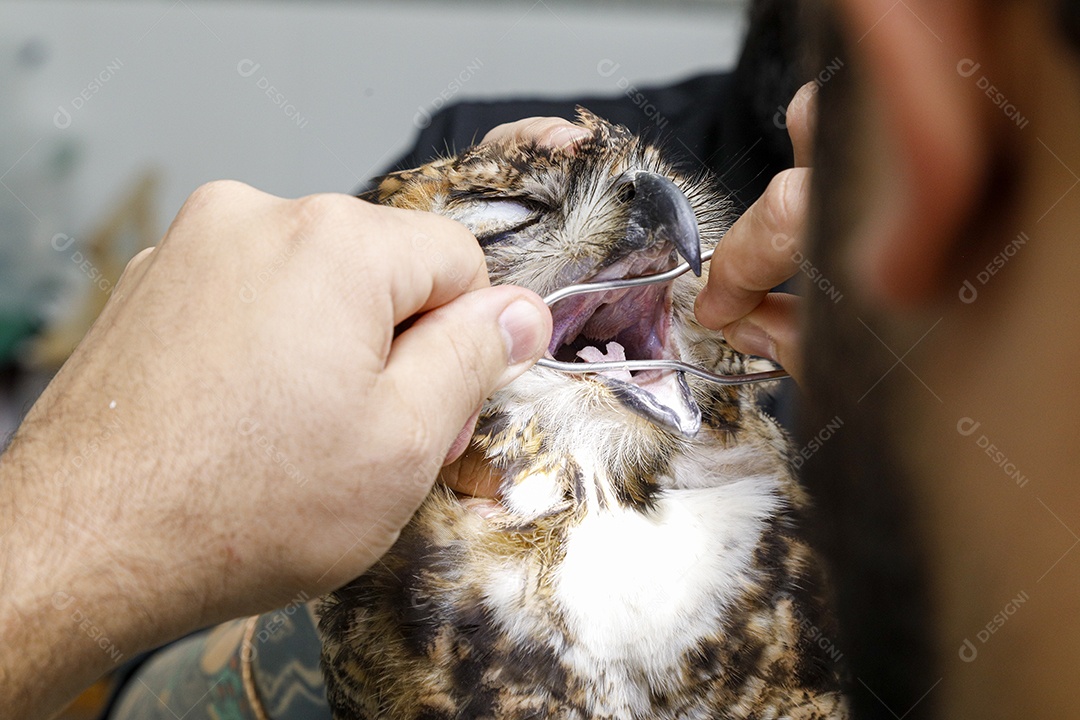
(615, 353)
(660, 397)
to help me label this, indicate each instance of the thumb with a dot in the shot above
(771, 330)
(452, 358)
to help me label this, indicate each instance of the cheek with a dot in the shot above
(504, 265)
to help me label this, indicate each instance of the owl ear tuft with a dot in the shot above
(601, 129)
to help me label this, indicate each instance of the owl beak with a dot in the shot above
(661, 213)
(666, 401)
(634, 323)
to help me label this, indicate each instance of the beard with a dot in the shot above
(865, 524)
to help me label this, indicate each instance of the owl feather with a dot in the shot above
(643, 557)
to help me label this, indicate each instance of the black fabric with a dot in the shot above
(703, 121)
(731, 123)
(1069, 17)
(771, 69)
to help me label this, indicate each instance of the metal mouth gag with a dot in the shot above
(581, 368)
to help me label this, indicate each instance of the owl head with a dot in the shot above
(610, 207)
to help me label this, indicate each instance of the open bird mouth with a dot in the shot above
(635, 323)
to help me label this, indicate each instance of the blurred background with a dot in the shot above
(113, 112)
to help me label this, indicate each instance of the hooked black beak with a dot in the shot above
(660, 212)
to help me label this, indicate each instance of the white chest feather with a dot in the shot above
(638, 590)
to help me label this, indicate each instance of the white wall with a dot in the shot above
(106, 90)
(179, 83)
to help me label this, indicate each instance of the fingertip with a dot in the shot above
(705, 310)
(801, 116)
(526, 329)
(552, 133)
(771, 330)
(564, 137)
(465, 350)
(718, 304)
(750, 338)
(472, 475)
(461, 442)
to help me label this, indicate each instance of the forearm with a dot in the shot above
(138, 502)
(71, 607)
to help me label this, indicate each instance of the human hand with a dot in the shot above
(757, 254)
(760, 251)
(470, 474)
(243, 425)
(551, 132)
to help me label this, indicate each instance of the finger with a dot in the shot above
(759, 252)
(452, 358)
(801, 117)
(440, 261)
(135, 268)
(461, 442)
(472, 475)
(554, 133)
(417, 261)
(400, 262)
(129, 278)
(771, 330)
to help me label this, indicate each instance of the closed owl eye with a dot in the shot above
(494, 219)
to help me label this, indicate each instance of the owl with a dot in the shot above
(642, 558)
